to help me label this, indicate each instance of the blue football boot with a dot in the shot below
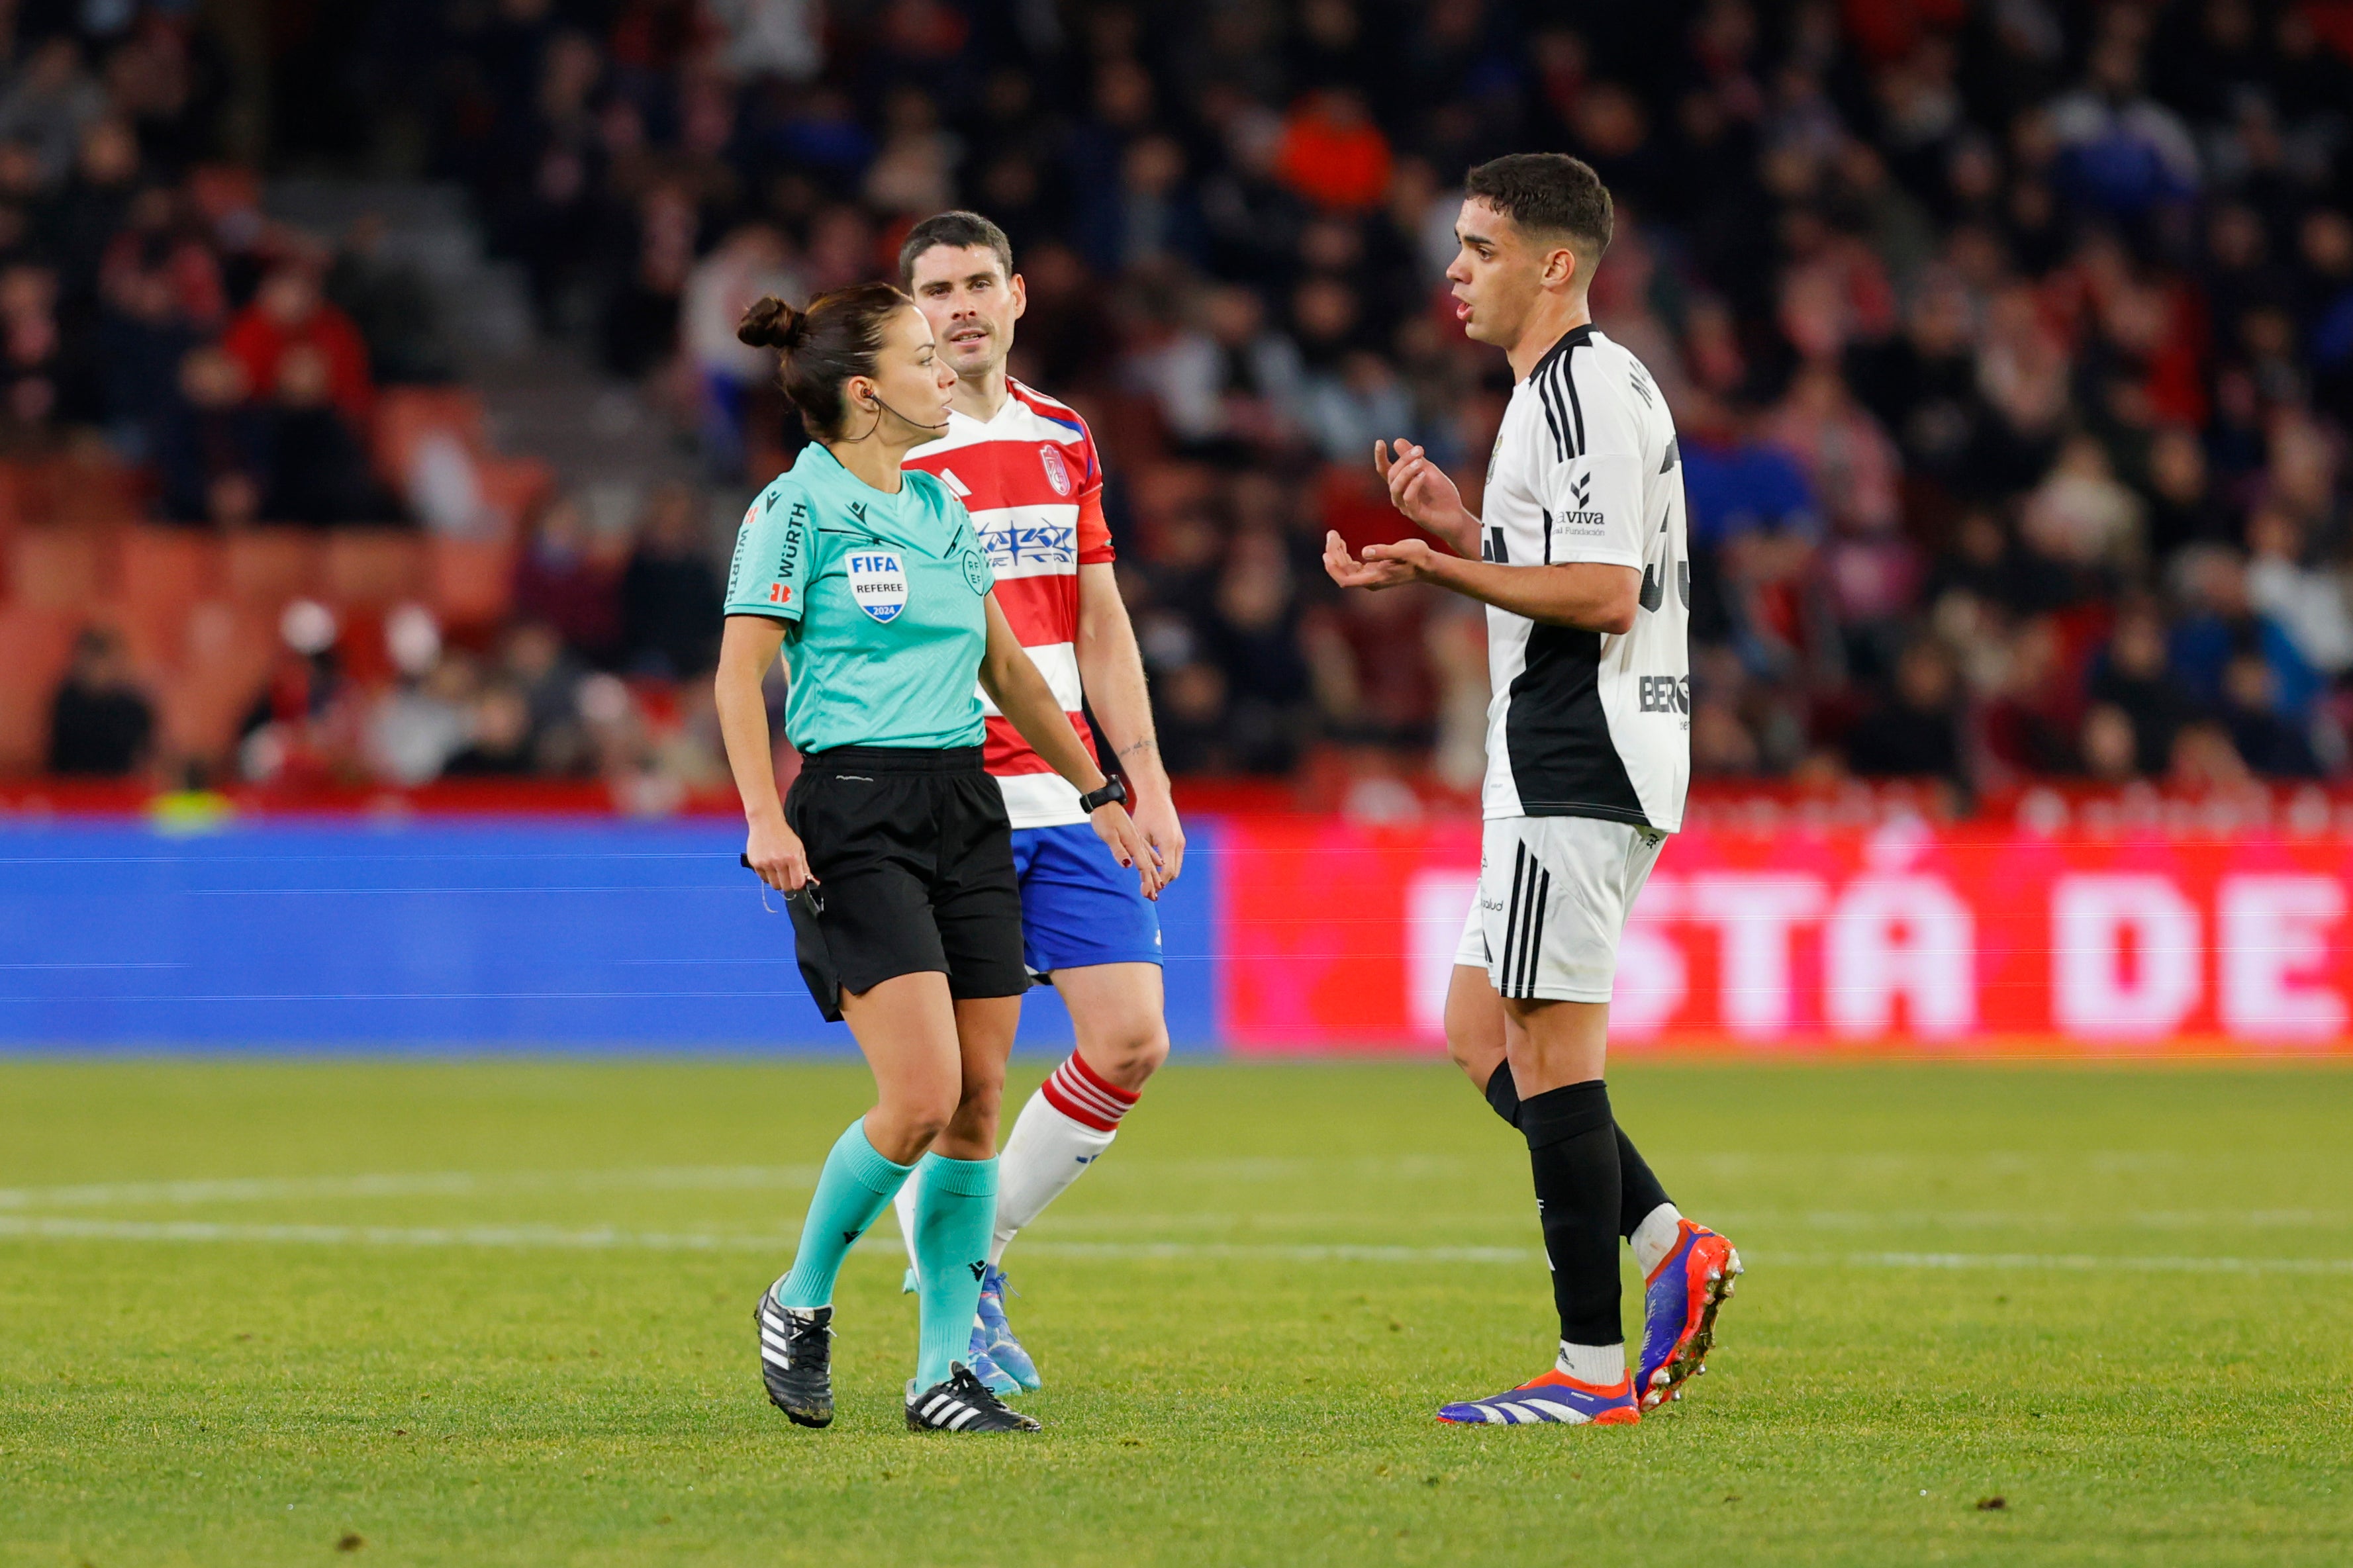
(1554, 1397)
(993, 1377)
(996, 1334)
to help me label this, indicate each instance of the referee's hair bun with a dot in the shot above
(771, 323)
(822, 346)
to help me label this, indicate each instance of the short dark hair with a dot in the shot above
(1551, 193)
(820, 348)
(957, 230)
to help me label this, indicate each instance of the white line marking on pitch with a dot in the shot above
(604, 1238)
(409, 1185)
(516, 1235)
(2063, 1261)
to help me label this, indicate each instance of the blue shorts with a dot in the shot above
(1079, 905)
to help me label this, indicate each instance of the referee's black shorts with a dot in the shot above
(913, 859)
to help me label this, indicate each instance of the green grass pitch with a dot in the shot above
(485, 1313)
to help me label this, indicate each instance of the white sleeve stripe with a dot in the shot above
(1564, 410)
(986, 519)
(1555, 411)
(1551, 420)
(1059, 663)
(1576, 407)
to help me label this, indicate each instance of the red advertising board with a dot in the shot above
(1900, 935)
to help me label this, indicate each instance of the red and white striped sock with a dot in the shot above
(1064, 1129)
(1077, 1091)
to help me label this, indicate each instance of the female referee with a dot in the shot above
(895, 845)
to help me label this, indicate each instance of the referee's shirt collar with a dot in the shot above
(1568, 340)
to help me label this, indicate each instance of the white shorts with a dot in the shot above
(1553, 897)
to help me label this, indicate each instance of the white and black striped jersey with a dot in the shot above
(1586, 468)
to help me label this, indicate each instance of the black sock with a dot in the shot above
(1640, 1190)
(1504, 1094)
(1573, 1150)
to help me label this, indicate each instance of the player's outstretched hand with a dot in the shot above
(777, 854)
(1383, 566)
(1419, 489)
(1116, 829)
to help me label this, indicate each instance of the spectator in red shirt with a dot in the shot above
(289, 310)
(1333, 153)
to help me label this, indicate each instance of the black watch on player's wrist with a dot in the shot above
(1112, 793)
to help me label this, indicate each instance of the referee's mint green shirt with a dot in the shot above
(884, 597)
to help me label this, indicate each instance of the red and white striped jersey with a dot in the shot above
(1031, 480)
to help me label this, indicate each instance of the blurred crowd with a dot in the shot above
(2011, 341)
(146, 302)
(160, 328)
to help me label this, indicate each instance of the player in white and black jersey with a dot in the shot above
(1581, 559)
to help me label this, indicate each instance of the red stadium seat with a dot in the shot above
(513, 488)
(14, 499)
(35, 644)
(405, 415)
(268, 566)
(57, 568)
(473, 582)
(162, 574)
(76, 490)
(95, 493)
(226, 657)
(155, 637)
(375, 566)
(167, 565)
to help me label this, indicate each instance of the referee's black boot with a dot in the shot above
(796, 1359)
(962, 1403)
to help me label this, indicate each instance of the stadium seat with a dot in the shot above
(268, 566)
(473, 581)
(155, 637)
(227, 653)
(14, 513)
(35, 644)
(405, 415)
(78, 491)
(162, 574)
(375, 566)
(158, 564)
(513, 488)
(94, 492)
(57, 568)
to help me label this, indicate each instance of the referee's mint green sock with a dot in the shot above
(955, 1210)
(854, 1187)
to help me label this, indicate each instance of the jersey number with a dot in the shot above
(1654, 586)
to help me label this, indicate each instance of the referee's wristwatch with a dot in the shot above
(1112, 793)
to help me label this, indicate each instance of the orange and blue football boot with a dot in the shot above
(1680, 1301)
(1555, 1397)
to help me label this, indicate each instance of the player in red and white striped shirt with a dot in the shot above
(1026, 469)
